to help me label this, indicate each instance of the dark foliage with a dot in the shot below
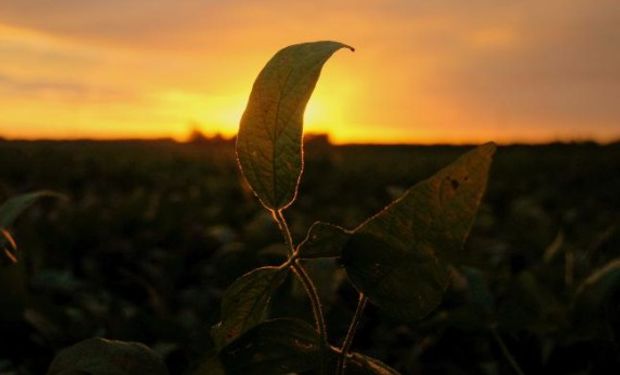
(155, 231)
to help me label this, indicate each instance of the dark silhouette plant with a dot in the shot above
(399, 259)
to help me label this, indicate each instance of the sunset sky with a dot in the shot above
(423, 71)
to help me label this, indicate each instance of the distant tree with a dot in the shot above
(317, 139)
(197, 136)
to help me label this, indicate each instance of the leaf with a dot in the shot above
(278, 346)
(282, 346)
(554, 247)
(359, 364)
(245, 303)
(13, 207)
(99, 356)
(596, 302)
(8, 248)
(481, 297)
(323, 240)
(399, 257)
(269, 143)
(598, 286)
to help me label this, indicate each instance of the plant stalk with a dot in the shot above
(513, 362)
(308, 284)
(348, 340)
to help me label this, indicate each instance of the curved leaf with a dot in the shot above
(324, 240)
(278, 346)
(399, 257)
(593, 307)
(601, 282)
(269, 143)
(99, 356)
(8, 247)
(13, 207)
(245, 303)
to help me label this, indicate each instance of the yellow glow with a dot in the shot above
(421, 73)
(220, 114)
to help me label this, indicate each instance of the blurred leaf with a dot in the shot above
(99, 356)
(52, 281)
(13, 207)
(269, 143)
(323, 240)
(596, 299)
(245, 303)
(8, 248)
(6, 239)
(481, 297)
(598, 286)
(398, 258)
(278, 346)
(554, 247)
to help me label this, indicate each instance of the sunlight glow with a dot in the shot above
(423, 73)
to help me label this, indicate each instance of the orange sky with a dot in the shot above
(424, 71)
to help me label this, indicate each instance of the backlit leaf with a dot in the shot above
(324, 240)
(245, 303)
(269, 143)
(278, 346)
(399, 257)
(99, 356)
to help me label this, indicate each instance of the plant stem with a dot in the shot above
(308, 285)
(506, 352)
(348, 340)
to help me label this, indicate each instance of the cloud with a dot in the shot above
(560, 64)
(61, 90)
(530, 68)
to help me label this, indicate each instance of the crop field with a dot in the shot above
(151, 233)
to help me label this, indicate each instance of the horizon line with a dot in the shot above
(218, 138)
